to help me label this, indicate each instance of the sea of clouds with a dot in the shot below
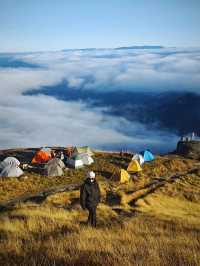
(38, 119)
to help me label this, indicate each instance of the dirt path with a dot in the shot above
(37, 197)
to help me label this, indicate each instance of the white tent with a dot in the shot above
(87, 160)
(139, 158)
(9, 161)
(75, 162)
(11, 171)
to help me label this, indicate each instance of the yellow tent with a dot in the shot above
(134, 167)
(122, 176)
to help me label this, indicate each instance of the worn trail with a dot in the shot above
(37, 197)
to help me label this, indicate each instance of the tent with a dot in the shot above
(11, 171)
(53, 169)
(41, 157)
(56, 161)
(80, 150)
(46, 149)
(139, 158)
(122, 176)
(134, 167)
(9, 161)
(147, 155)
(75, 161)
(87, 160)
(60, 155)
(69, 151)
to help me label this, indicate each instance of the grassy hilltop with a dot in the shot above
(152, 220)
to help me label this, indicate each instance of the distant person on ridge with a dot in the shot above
(90, 197)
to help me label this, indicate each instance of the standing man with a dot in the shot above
(90, 197)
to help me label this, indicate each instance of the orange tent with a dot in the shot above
(41, 157)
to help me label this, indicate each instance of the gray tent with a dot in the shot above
(57, 161)
(53, 170)
(54, 167)
(11, 171)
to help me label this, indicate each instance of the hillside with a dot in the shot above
(167, 111)
(189, 149)
(152, 220)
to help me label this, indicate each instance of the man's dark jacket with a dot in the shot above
(89, 194)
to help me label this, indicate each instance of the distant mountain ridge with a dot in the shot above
(117, 48)
(140, 47)
(176, 112)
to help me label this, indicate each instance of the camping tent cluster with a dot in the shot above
(76, 158)
(10, 167)
(79, 157)
(138, 160)
(134, 166)
(48, 162)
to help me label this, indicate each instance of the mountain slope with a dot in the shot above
(152, 220)
(171, 111)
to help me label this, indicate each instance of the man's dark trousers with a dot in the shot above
(92, 216)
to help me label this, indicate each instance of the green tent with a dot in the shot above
(83, 150)
(75, 161)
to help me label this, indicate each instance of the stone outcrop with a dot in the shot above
(189, 149)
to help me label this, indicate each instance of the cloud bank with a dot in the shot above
(36, 120)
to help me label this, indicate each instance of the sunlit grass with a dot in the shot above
(58, 236)
(134, 227)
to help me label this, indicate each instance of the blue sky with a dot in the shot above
(32, 25)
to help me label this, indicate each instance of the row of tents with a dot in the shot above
(78, 157)
(10, 167)
(134, 166)
(53, 166)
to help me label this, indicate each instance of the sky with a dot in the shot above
(35, 25)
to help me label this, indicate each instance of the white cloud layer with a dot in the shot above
(43, 120)
(163, 70)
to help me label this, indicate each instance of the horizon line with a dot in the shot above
(103, 48)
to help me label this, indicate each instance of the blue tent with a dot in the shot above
(148, 156)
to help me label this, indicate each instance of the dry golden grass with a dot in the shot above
(104, 166)
(35, 235)
(160, 227)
